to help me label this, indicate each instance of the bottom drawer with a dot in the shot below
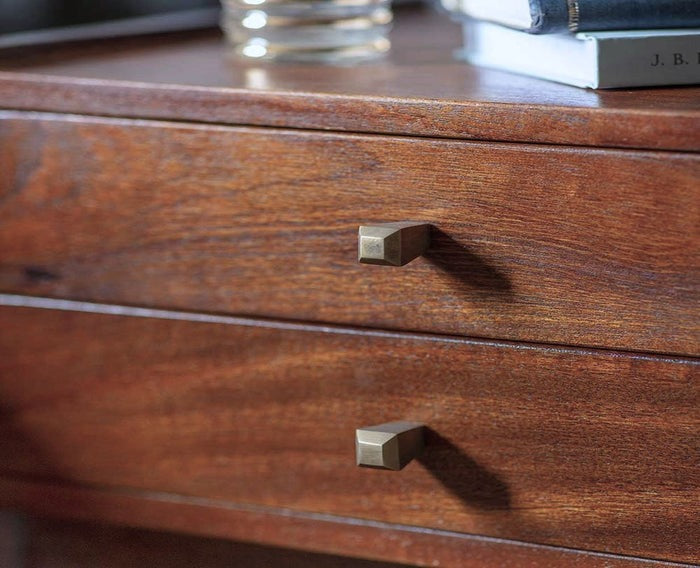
(586, 449)
(42, 543)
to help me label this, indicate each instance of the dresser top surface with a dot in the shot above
(419, 90)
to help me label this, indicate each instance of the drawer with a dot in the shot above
(544, 244)
(580, 448)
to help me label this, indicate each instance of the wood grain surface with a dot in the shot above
(584, 449)
(61, 544)
(544, 244)
(382, 541)
(420, 90)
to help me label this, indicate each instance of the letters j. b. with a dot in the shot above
(674, 59)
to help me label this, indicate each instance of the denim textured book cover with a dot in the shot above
(550, 16)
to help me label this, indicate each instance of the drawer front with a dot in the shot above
(585, 449)
(545, 244)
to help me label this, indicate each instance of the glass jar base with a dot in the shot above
(264, 51)
(318, 31)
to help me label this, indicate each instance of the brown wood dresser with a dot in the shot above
(188, 342)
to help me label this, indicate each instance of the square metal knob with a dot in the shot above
(389, 446)
(392, 244)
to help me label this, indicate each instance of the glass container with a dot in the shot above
(332, 31)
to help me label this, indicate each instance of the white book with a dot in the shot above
(513, 13)
(599, 60)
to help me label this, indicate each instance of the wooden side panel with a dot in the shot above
(571, 246)
(591, 450)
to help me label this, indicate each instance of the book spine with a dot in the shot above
(553, 16)
(548, 16)
(649, 61)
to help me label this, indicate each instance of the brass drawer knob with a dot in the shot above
(392, 244)
(389, 446)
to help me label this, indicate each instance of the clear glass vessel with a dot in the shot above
(332, 31)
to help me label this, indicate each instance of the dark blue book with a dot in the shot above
(555, 16)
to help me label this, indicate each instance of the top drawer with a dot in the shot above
(547, 244)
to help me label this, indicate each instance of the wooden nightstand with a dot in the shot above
(188, 341)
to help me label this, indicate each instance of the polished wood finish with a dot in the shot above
(337, 535)
(53, 544)
(235, 428)
(419, 91)
(585, 449)
(544, 244)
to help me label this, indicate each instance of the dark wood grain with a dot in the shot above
(419, 91)
(12, 540)
(585, 449)
(55, 544)
(349, 537)
(558, 245)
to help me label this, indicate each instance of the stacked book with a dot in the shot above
(587, 43)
